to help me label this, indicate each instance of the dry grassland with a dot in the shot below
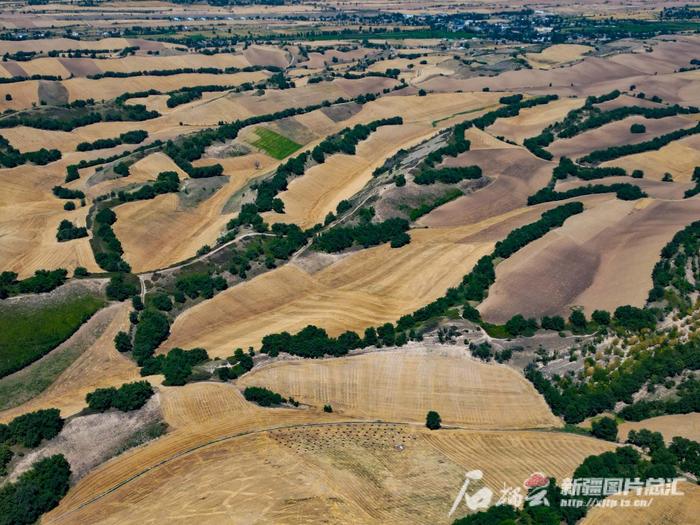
(404, 384)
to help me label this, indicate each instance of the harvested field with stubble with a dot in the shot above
(617, 134)
(683, 425)
(600, 259)
(531, 121)
(159, 223)
(679, 158)
(361, 289)
(557, 55)
(340, 470)
(404, 384)
(29, 218)
(666, 510)
(346, 438)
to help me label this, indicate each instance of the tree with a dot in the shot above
(327, 408)
(262, 396)
(432, 420)
(36, 491)
(122, 342)
(555, 322)
(132, 396)
(101, 399)
(605, 428)
(30, 429)
(638, 128)
(601, 317)
(518, 325)
(120, 290)
(578, 320)
(153, 328)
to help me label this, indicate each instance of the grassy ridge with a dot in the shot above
(274, 144)
(26, 334)
(427, 207)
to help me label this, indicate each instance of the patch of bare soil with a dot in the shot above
(87, 441)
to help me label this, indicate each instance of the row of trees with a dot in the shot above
(567, 168)
(549, 220)
(67, 193)
(629, 149)
(128, 397)
(623, 191)
(166, 182)
(176, 366)
(448, 175)
(68, 231)
(30, 429)
(365, 234)
(41, 282)
(181, 71)
(68, 120)
(129, 137)
(262, 396)
(11, 157)
(624, 318)
(35, 492)
(108, 250)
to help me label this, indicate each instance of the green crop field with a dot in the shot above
(274, 144)
(28, 334)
